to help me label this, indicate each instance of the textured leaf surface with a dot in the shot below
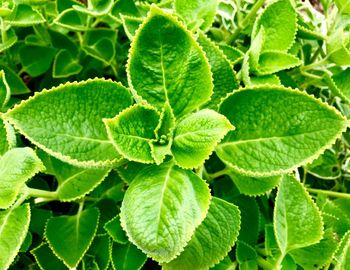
(197, 13)
(132, 131)
(69, 237)
(72, 129)
(297, 220)
(166, 64)
(277, 130)
(127, 257)
(161, 221)
(280, 23)
(196, 136)
(274, 61)
(212, 240)
(14, 225)
(16, 167)
(224, 77)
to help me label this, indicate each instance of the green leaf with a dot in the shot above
(266, 79)
(72, 20)
(14, 225)
(297, 130)
(166, 63)
(24, 15)
(246, 256)
(16, 167)
(297, 220)
(212, 240)
(340, 84)
(99, 250)
(114, 230)
(132, 131)
(130, 170)
(254, 186)
(343, 6)
(274, 61)
(280, 23)
(14, 82)
(5, 92)
(7, 137)
(224, 78)
(196, 136)
(162, 220)
(197, 13)
(131, 24)
(233, 54)
(342, 254)
(326, 166)
(127, 257)
(45, 258)
(9, 41)
(65, 65)
(36, 60)
(337, 48)
(69, 237)
(96, 8)
(72, 130)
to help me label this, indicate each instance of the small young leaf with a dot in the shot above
(212, 240)
(7, 137)
(196, 136)
(233, 54)
(297, 130)
(274, 61)
(24, 15)
(342, 254)
(72, 130)
(65, 65)
(46, 259)
(197, 13)
(337, 48)
(127, 257)
(132, 131)
(131, 24)
(326, 166)
(166, 63)
(297, 220)
(69, 237)
(341, 84)
(5, 92)
(114, 230)
(16, 167)
(72, 20)
(11, 39)
(14, 225)
(95, 8)
(15, 83)
(280, 23)
(162, 221)
(224, 77)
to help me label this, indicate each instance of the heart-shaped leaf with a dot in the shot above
(65, 65)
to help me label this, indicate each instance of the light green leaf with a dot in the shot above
(114, 230)
(197, 13)
(343, 6)
(72, 20)
(162, 220)
(342, 254)
(36, 60)
(196, 136)
(7, 137)
(166, 63)
(297, 220)
(69, 237)
(127, 257)
(254, 186)
(5, 92)
(224, 77)
(95, 8)
(16, 167)
(131, 24)
(65, 65)
(14, 82)
(340, 84)
(132, 131)
(24, 15)
(130, 170)
(274, 61)
(72, 130)
(45, 258)
(14, 225)
(277, 130)
(266, 79)
(212, 240)
(233, 54)
(279, 20)
(337, 48)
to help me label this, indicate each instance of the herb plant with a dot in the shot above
(175, 134)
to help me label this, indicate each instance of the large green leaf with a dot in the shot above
(132, 132)
(196, 136)
(224, 77)
(14, 225)
(69, 237)
(162, 220)
(277, 130)
(197, 13)
(297, 220)
(212, 240)
(166, 64)
(279, 20)
(71, 129)
(127, 257)
(16, 167)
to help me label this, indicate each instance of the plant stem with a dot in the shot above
(218, 174)
(329, 193)
(38, 193)
(246, 20)
(264, 264)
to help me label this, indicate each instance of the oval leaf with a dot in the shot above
(166, 63)
(162, 220)
(72, 129)
(277, 130)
